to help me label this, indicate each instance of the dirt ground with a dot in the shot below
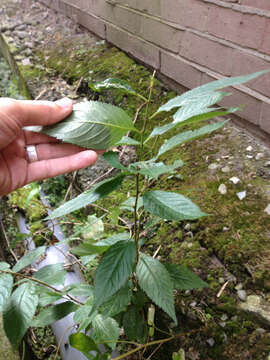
(227, 174)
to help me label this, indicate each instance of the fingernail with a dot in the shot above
(65, 103)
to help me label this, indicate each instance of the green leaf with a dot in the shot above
(54, 313)
(99, 191)
(113, 83)
(126, 140)
(112, 159)
(53, 274)
(93, 229)
(92, 125)
(154, 170)
(6, 284)
(130, 203)
(19, 311)
(202, 92)
(4, 266)
(113, 270)
(171, 206)
(187, 136)
(134, 325)
(155, 280)
(46, 296)
(183, 278)
(99, 247)
(29, 258)
(82, 342)
(106, 330)
(88, 259)
(86, 249)
(80, 289)
(118, 302)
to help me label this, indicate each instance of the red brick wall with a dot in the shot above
(189, 41)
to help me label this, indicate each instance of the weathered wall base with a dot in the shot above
(189, 41)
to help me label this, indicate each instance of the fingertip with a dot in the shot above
(65, 104)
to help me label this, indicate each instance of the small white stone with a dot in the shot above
(210, 342)
(249, 148)
(249, 156)
(267, 164)
(259, 156)
(187, 227)
(213, 166)
(241, 195)
(235, 180)
(242, 294)
(226, 169)
(222, 189)
(267, 209)
(226, 228)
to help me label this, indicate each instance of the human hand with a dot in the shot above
(48, 157)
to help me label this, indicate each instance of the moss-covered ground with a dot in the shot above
(229, 247)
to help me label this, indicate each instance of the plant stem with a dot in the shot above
(156, 342)
(136, 225)
(147, 108)
(41, 283)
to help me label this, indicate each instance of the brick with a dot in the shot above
(151, 7)
(90, 22)
(252, 109)
(243, 29)
(128, 20)
(244, 63)
(265, 117)
(206, 52)
(259, 4)
(136, 47)
(266, 40)
(102, 9)
(189, 13)
(161, 34)
(251, 31)
(223, 22)
(186, 75)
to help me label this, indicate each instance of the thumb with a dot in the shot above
(43, 113)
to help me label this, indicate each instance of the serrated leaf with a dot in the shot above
(155, 280)
(29, 258)
(113, 270)
(54, 313)
(171, 206)
(112, 159)
(154, 170)
(113, 83)
(53, 274)
(82, 342)
(106, 330)
(126, 140)
(92, 125)
(200, 93)
(19, 311)
(6, 284)
(80, 290)
(183, 278)
(187, 136)
(135, 327)
(99, 191)
(113, 239)
(118, 302)
(130, 203)
(46, 296)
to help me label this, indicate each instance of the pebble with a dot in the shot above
(213, 166)
(226, 228)
(267, 209)
(224, 317)
(249, 156)
(267, 164)
(261, 331)
(235, 180)
(242, 294)
(210, 342)
(225, 169)
(222, 189)
(259, 156)
(249, 148)
(239, 286)
(22, 34)
(187, 227)
(241, 195)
